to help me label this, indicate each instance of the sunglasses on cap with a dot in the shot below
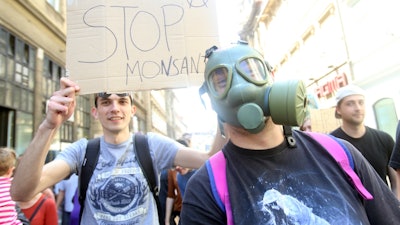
(106, 95)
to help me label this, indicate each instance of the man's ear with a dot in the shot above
(133, 110)
(94, 113)
(337, 115)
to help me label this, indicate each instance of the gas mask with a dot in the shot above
(239, 84)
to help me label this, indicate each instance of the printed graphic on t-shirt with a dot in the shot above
(294, 210)
(280, 197)
(119, 195)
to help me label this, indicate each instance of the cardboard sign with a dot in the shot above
(323, 120)
(133, 45)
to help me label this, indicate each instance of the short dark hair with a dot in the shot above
(183, 142)
(106, 95)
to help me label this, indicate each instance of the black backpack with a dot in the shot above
(144, 160)
(21, 216)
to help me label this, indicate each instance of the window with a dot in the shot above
(385, 115)
(66, 132)
(3, 41)
(82, 115)
(51, 77)
(17, 63)
(52, 72)
(24, 131)
(24, 73)
(17, 59)
(7, 127)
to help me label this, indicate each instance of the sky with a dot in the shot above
(228, 23)
(197, 117)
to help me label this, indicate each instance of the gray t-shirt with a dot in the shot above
(118, 192)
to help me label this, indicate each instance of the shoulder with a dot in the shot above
(48, 200)
(379, 132)
(338, 131)
(319, 139)
(76, 146)
(163, 149)
(160, 141)
(382, 135)
(198, 185)
(359, 160)
(307, 137)
(199, 203)
(73, 154)
(151, 136)
(5, 180)
(199, 180)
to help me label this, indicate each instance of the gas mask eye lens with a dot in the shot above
(252, 69)
(219, 81)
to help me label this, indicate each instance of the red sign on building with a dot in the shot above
(326, 89)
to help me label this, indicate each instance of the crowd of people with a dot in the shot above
(273, 174)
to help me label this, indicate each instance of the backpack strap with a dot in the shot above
(343, 158)
(216, 167)
(37, 208)
(87, 168)
(145, 161)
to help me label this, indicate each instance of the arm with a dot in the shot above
(169, 204)
(32, 176)
(384, 202)
(398, 184)
(168, 209)
(60, 198)
(392, 174)
(190, 158)
(218, 142)
(396, 191)
(395, 162)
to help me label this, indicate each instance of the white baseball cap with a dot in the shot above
(345, 91)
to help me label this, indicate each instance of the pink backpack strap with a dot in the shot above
(332, 145)
(216, 167)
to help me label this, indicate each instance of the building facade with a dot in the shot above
(330, 44)
(32, 60)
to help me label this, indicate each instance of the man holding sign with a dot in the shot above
(118, 192)
(120, 45)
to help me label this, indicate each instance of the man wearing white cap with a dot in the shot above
(375, 145)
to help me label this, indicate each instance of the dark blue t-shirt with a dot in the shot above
(182, 181)
(302, 185)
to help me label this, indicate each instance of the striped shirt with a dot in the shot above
(8, 214)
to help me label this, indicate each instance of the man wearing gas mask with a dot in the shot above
(275, 175)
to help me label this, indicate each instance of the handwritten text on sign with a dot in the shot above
(125, 45)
